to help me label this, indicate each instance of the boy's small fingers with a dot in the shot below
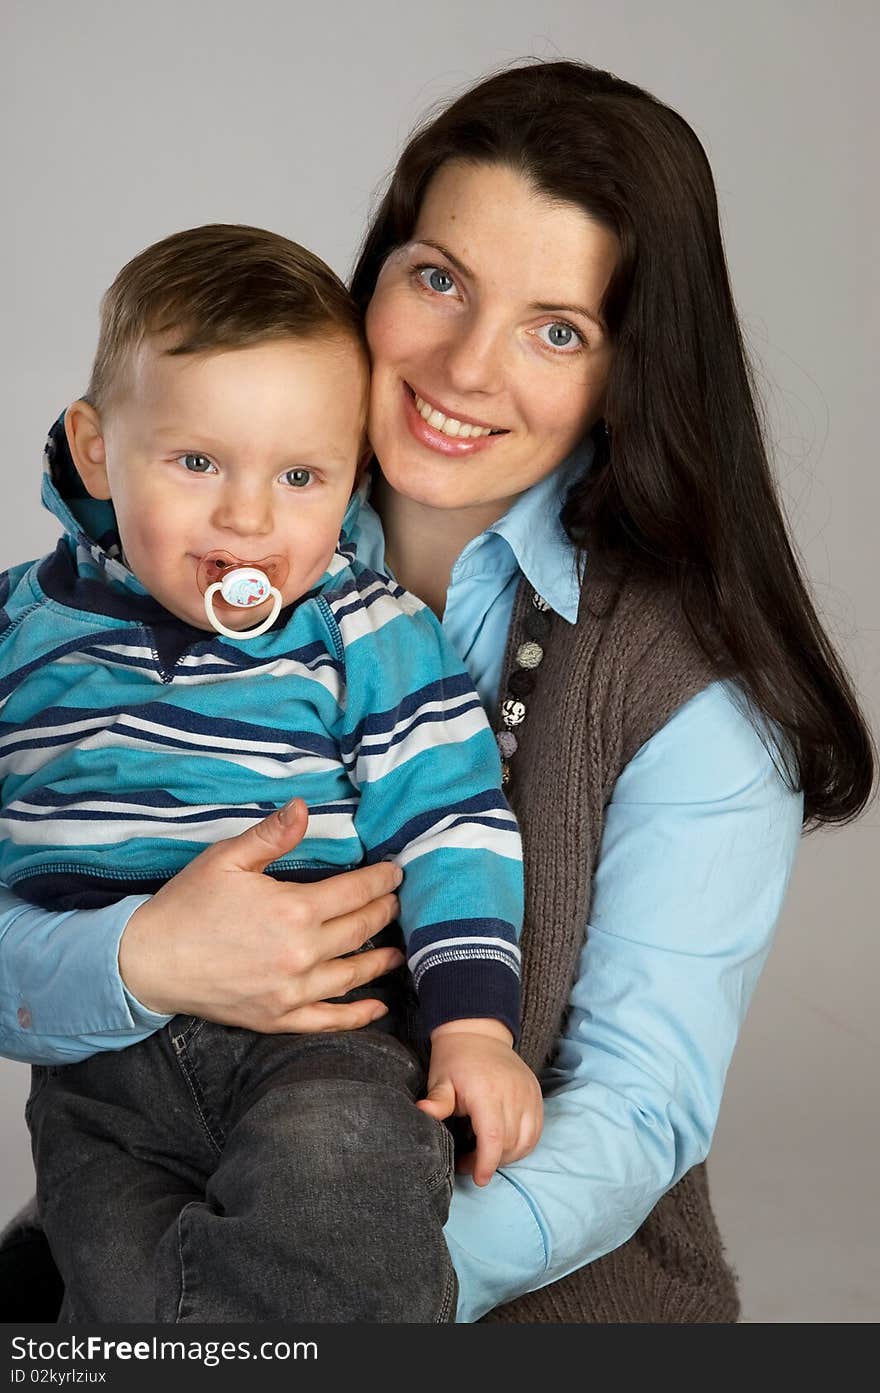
(490, 1146)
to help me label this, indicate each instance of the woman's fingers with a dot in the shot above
(325, 1016)
(350, 931)
(353, 890)
(342, 975)
(224, 941)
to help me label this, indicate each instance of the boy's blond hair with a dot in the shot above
(214, 287)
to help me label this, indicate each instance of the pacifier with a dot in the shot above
(242, 584)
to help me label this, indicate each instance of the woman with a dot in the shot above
(571, 474)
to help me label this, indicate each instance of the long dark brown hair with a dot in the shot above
(679, 486)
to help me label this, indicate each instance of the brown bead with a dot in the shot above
(521, 682)
(536, 623)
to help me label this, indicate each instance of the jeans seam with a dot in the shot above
(450, 1297)
(180, 1259)
(195, 1093)
(443, 1174)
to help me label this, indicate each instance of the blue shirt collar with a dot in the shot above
(541, 548)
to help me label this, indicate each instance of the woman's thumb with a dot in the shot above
(274, 836)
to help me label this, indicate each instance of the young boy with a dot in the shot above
(212, 1173)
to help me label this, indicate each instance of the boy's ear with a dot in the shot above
(85, 436)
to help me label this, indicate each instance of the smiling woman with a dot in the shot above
(547, 263)
(487, 318)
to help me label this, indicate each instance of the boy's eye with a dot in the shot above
(196, 464)
(297, 478)
(435, 278)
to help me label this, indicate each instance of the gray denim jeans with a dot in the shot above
(213, 1174)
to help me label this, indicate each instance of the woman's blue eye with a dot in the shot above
(196, 464)
(435, 278)
(560, 336)
(298, 478)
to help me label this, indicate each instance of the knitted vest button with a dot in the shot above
(507, 743)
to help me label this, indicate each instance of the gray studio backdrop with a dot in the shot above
(123, 122)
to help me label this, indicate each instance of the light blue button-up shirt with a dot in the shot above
(698, 846)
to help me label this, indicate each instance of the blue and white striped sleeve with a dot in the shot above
(418, 747)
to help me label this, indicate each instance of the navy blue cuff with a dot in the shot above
(469, 989)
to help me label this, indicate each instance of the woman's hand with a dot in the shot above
(223, 941)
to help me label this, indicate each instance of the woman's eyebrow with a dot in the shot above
(540, 307)
(444, 251)
(570, 309)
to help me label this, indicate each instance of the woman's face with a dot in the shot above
(487, 322)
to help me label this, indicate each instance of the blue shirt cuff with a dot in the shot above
(61, 995)
(495, 1242)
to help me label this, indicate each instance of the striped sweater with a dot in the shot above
(129, 741)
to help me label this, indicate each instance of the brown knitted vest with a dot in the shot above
(603, 689)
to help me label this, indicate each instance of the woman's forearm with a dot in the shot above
(61, 995)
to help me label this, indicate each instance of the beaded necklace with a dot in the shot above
(522, 679)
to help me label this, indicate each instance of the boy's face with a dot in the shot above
(252, 451)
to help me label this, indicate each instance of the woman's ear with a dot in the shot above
(85, 436)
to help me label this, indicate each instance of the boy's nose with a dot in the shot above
(244, 512)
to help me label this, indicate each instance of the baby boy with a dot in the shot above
(203, 647)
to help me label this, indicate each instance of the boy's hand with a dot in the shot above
(474, 1072)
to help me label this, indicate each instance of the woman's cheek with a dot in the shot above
(394, 324)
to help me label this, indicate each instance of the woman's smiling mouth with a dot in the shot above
(449, 434)
(451, 425)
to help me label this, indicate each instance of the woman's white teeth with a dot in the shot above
(448, 424)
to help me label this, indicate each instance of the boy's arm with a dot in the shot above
(61, 996)
(418, 747)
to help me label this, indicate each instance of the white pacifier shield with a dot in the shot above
(243, 587)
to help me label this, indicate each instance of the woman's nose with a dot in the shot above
(475, 356)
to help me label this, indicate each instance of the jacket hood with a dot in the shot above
(89, 523)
